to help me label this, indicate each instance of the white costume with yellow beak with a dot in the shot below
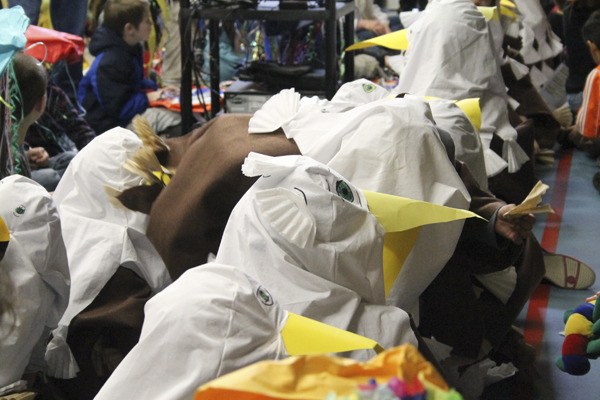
(100, 237)
(307, 234)
(36, 264)
(387, 145)
(300, 243)
(452, 55)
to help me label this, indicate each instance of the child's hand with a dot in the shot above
(514, 228)
(38, 157)
(154, 95)
(168, 92)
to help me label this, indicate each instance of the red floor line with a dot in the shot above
(536, 311)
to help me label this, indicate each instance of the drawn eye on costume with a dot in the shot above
(20, 210)
(368, 87)
(344, 191)
(264, 296)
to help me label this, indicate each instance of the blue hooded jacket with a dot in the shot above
(113, 90)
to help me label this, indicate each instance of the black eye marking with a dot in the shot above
(264, 296)
(303, 195)
(344, 191)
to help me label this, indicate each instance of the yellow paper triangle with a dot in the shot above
(472, 110)
(396, 247)
(401, 219)
(507, 12)
(4, 232)
(164, 175)
(508, 3)
(397, 213)
(305, 336)
(490, 13)
(469, 106)
(397, 40)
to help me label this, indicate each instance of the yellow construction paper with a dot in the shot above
(490, 13)
(472, 110)
(164, 176)
(507, 12)
(396, 247)
(468, 106)
(397, 40)
(305, 336)
(397, 213)
(314, 377)
(533, 202)
(401, 219)
(508, 3)
(4, 232)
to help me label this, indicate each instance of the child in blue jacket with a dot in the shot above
(114, 89)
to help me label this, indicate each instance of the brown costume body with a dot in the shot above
(450, 310)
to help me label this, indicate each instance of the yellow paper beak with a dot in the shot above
(490, 13)
(305, 336)
(163, 176)
(469, 106)
(397, 40)
(508, 12)
(472, 110)
(402, 219)
(4, 237)
(4, 232)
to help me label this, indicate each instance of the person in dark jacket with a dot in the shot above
(114, 89)
(54, 139)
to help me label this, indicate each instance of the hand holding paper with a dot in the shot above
(515, 222)
(515, 228)
(532, 203)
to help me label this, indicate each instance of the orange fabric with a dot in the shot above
(57, 45)
(313, 377)
(588, 117)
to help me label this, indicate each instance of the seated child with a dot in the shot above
(588, 118)
(54, 139)
(114, 89)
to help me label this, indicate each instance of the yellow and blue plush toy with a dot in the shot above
(582, 338)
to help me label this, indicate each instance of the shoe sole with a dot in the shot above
(567, 272)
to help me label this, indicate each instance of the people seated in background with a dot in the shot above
(54, 139)
(65, 16)
(29, 104)
(372, 21)
(231, 55)
(114, 89)
(577, 55)
(586, 131)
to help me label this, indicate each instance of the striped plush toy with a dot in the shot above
(582, 338)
